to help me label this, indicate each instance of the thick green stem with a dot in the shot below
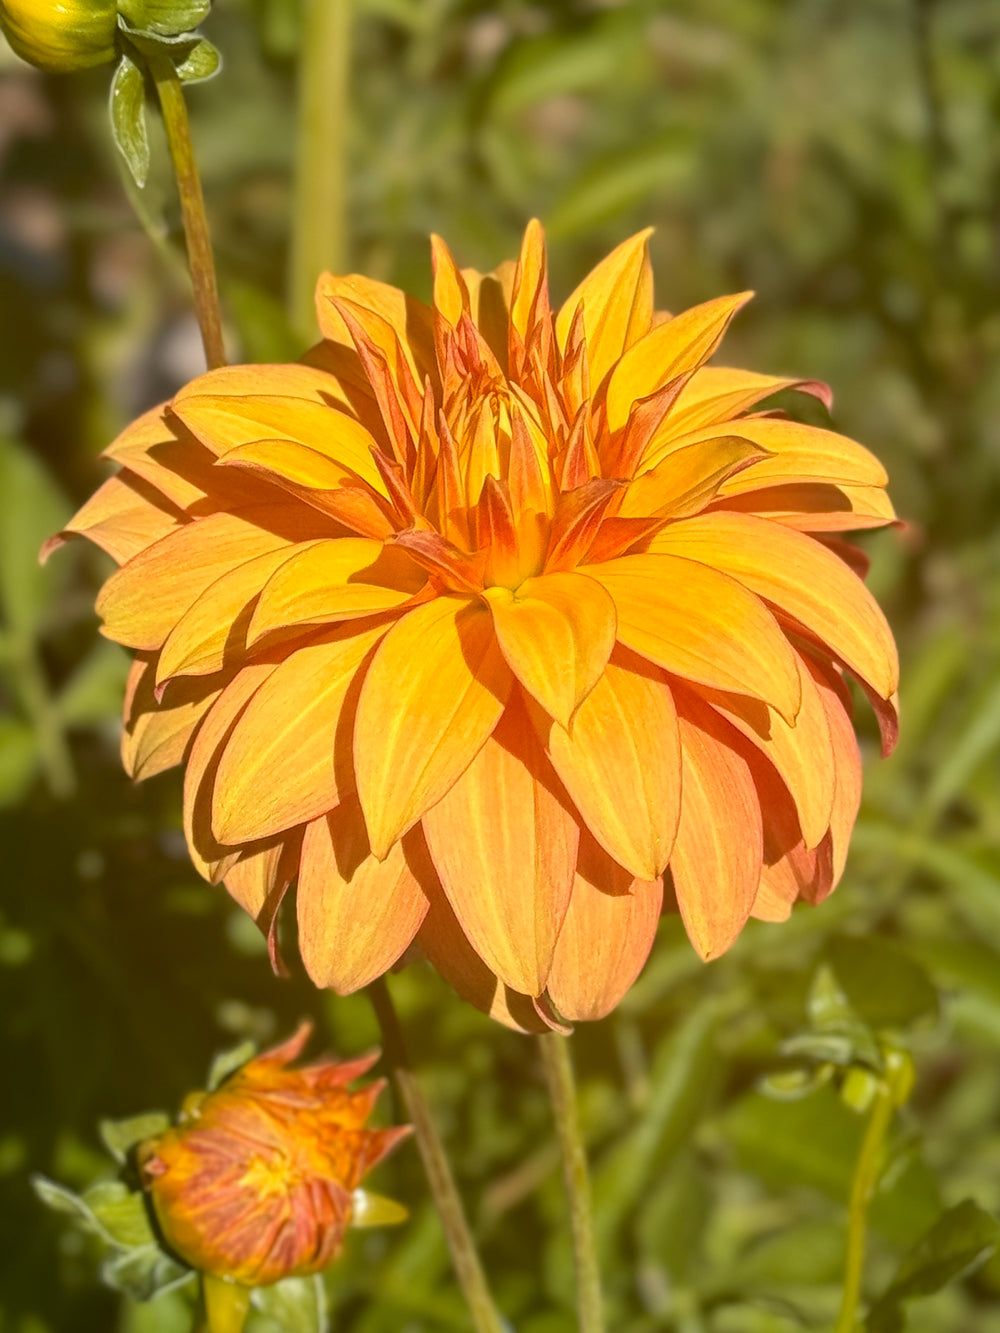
(867, 1170)
(201, 261)
(224, 1306)
(319, 229)
(562, 1093)
(464, 1256)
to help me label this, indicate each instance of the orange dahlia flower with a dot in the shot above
(486, 618)
(257, 1182)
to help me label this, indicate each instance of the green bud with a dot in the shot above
(61, 35)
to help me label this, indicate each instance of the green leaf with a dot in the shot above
(960, 1240)
(227, 1062)
(63, 1200)
(143, 1272)
(617, 182)
(121, 1136)
(166, 18)
(31, 509)
(202, 62)
(296, 1305)
(128, 118)
(121, 1212)
(883, 984)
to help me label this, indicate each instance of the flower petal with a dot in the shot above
(504, 842)
(122, 517)
(156, 736)
(617, 299)
(700, 624)
(356, 915)
(716, 861)
(556, 632)
(606, 936)
(339, 579)
(717, 394)
(801, 578)
(620, 764)
(681, 344)
(288, 759)
(688, 479)
(432, 695)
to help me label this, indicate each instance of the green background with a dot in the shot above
(841, 157)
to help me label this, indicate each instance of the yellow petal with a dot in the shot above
(253, 879)
(799, 453)
(801, 753)
(292, 380)
(287, 461)
(432, 695)
(339, 579)
(504, 844)
(776, 893)
(606, 936)
(617, 298)
(801, 578)
(121, 518)
(815, 506)
(144, 600)
(356, 915)
(203, 762)
(847, 758)
(556, 632)
(443, 941)
(214, 627)
(702, 625)
(717, 858)
(156, 736)
(412, 320)
(288, 759)
(717, 394)
(688, 479)
(621, 765)
(680, 345)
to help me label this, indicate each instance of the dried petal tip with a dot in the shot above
(259, 1179)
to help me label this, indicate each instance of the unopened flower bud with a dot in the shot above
(61, 35)
(257, 1182)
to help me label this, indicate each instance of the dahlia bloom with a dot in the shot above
(489, 624)
(257, 1182)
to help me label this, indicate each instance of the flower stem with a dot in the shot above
(867, 1170)
(225, 1306)
(199, 245)
(468, 1268)
(562, 1093)
(319, 232)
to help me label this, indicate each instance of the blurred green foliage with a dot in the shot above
(841, 157)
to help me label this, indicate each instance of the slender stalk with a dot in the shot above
(867, 1170)
(199, 246)
(54, 752)
(562, 1093)
(224, 1306)
(319, 230)
(464, 1256)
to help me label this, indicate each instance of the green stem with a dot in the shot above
(319, 230)
(468, 1268)
(224, 1306)
(53, 750)
(867, 1170)
(199, 246)
(562, 1093)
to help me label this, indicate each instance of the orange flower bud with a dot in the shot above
(256, 1182)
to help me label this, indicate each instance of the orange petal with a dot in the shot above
(287, 461)
(432, 695)
(847, 758)
(504, 843)
(815, 506)
(288, 759)
(339, 579)
(620, 764)
(412, 320)
(444, 942)
(617, 299)
(556, 632)
(143, 601)
(688, 479)
(681, 344)
(203, 762)
(253, 879)
(802, 753)
(606, 936)
(214, 627)
(356, 915)
(156, 736)
(293, 380)
(801, 578)
(717, 394)
(776, 893)
(697, 623)
(717, 858)
(122, 517)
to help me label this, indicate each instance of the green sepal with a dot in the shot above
(165, 18)
(791, 1085)
(294, 1305)
(201, 63)
(175, 46)
(127, 109)
(375, 1210)
(227, 1062)
(121, 1136)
